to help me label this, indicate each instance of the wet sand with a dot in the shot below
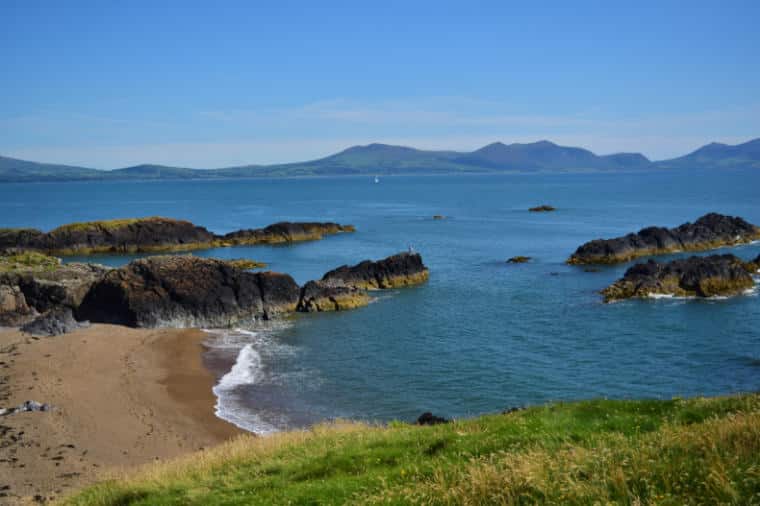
(120, 397)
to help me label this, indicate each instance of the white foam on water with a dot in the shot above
(249, 369)
(247, 364)
(662, 296)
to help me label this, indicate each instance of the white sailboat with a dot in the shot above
(377, 179)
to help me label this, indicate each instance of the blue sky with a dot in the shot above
(110, 84)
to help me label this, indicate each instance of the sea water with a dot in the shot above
(482, 335)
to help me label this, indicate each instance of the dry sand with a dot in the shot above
(121, 397)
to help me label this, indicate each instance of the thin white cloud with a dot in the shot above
(277, 135)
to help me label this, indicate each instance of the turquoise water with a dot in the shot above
(481, 335)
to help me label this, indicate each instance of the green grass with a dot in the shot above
(697, 451)
(28, 261)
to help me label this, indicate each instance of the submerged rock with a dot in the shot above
(402, 269)
(187, 291)
(53, 323)
(154, 234)
(542, 209)
(708, 232)
(694, 276)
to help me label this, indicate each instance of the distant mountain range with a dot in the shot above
(383, 159)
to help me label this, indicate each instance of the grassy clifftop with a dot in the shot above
(696, 451)
(112, 224)
(16, 261)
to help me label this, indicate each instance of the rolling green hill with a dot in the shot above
(384, 159)
(12, 169)
(719, 156)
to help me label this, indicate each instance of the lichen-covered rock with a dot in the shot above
(694, 276)
(154, 234)
(117, 236)
(403, 269)
(754, 265)
(319, 296)
(13, 307)
(708, 232)
(285, 232)
(26, 293)
(187, 291)
(64, 286)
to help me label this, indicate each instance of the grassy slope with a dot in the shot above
(28, 261)
(697, 451)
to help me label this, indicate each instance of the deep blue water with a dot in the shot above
(481, 335)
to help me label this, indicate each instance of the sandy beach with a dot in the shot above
(120, 397)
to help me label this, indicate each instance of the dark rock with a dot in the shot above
(518, 260)
(285, 232)
(694, 276)
(186, 291)
(708, 232)
(154, 234)
(542, 209)
(754, 265)
(117, 236)
(511, 410)
(24, 294)
(402, 269)
(439, 217)
(55, 322)
(430, 419)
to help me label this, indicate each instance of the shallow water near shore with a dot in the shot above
(482, 335)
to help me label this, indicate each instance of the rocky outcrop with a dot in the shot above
(403, 269)
(708, 232)
(25, 294)
(155, 234)
(542, 209)
(186, 291)
(116, 236)
(518, 260)
(690, 277)
(13, 307)
(53, 323)
(285, 232)
(320, 296)
(754, 265)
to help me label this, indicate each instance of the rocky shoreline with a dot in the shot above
(156, 234)
(708, 232)
(709, 276)
(187, 291)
